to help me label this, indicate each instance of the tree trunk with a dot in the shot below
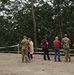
(34, 21)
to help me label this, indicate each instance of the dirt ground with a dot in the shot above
(10, 64)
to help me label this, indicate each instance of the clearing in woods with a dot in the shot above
(10, 64)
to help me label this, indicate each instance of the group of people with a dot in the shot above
(27, 49)
(65, 43)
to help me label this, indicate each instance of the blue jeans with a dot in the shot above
(57, 50)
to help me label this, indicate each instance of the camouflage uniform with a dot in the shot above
(66, 46)
(24, 48)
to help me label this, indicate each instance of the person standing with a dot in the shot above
(44, 44)
(24, 48)
(31, 48)
(66, 46)
(56, 44)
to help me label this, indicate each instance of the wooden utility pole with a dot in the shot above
(34, 22)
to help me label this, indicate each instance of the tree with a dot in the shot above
(62, 14)
(52, 19)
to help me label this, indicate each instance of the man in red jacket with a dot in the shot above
(56, 44)
(44, 44)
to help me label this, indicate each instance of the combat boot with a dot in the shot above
(69, 59)
(66, 60)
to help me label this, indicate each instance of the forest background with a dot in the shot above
(52, 18)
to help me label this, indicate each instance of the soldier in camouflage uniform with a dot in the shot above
(24, 48)
(66, 46)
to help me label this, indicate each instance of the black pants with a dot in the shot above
(46, 53)
(30, 56)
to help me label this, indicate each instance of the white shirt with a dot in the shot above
(31, 47)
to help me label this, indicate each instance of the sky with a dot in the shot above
(12, 0)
